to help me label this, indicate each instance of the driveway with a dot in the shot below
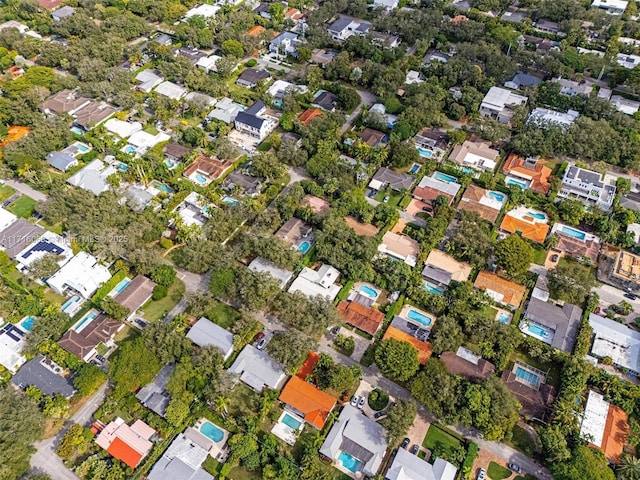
(366, 98)
(26, 190)
(418, 430)
(45, 459)
(361, 344)
(611, 295)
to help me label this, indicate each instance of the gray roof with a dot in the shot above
(359, 436)
(437, 274)
(261, 265)
(60, 160)
(252, 76)
(525, 80)
(407, 466)
(205, 333)
(257, 369)
(326, 101)
(249, 185)
(181, 461)
(154, 395)
(283, 36)
(33, 373)
(63, 12)
(631, 201)
(248, 119)
(255, 108)
(396, 181)
(17, 236)
(340, 24)
(564, 320)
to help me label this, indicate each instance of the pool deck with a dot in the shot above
(500, 311)
(286, 433)
(356, 289)
(404, 313)
(218, 450)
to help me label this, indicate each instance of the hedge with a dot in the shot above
(104, 290)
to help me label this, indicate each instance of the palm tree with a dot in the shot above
(221, 404)
(629, 468)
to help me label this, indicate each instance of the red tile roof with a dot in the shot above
(309, 364)
(539, 175)
(309, 114)
(364, 318)
(120, 450)
(314, 404)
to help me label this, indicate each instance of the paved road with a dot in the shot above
(611, 295)
(45, 459)
(26, 190)
(366, 98)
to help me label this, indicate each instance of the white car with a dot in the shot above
(354, 401)
(482, 474)
(361, 402)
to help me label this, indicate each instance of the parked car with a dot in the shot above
(259, 336)
(482, 474)
(101, 358)
(377, 415)
(405, 443)
(386, 199)
(335, 330)
(261, 344)
(516, 468)
(415, 449)
(361, 402)
(141, 323)
(354, 401)
(554, 257)
(630, 296)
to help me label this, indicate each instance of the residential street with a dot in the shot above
(45, 460)
(26, 190)
(366, 98)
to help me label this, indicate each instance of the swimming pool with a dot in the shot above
(420, 318)
(129, 149)
(82, 148)
(415, 168)
(499, 197)
(212, 432)
(69, 302)
(349, 462)
(503, 317)
(82, 323)
(122, 167)
(162, 187)
(27, 323)
(537, 330)
(121, 285)
(443, 177)
(290, 422)
(367, 291)
(170, 163)
(527, 376)
(537, 215)
(572, 232)
(511, 181)
(201, 178)
(424, 152)
(431, 289)
(77, 130)
(304, 247)
(230, 201)
(468, 170)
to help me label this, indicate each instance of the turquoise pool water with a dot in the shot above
(468, 170)
(82, 148)
(511, 181)
(443, 177)
(129, 149)
(497, 196)
(209, 430)
(230, 201)
(572, 232)
(121, 285)
(367, 291)
(431, 289)
(424, 152)
(290, 422)
(27, 323)
(538, 331)
(504, 317)
(162, 187)
(304, 247)
(539, 216)
(527, 376)
(201, 178)
(122, 167)
(77, 130)
(69, 302)
(415, 168)
(419, 318)
(169, 163)
(350, 463)
(82, 323)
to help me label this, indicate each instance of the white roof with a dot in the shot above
(616, 341)
(500, 98)
(406, 466)
(200, 99)
(21, 27)
(613, 4)
(543, 116)
(628, 61)
(205, 332)
(257, 369)
(171, 90)
(319, 282)
(144, 140)
(82, 273)
(448, 187)
(629, 107)
(44, 245)
(206, 11)
(121, 128)
(226, 110)
(93, 177)
(11, 344)
(264, 266)
(594, 419)
(209, 63)
(635, 229)
(279, 87)
(6, 218)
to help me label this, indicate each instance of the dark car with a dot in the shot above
(405, 443)
(554, 258)
(141, 323)
(516, 468)
(415, 449)
(335, 330)
(377, 415)
(630, 296)
(101, 358)
(259, 336)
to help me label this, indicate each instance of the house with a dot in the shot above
(209, 64)
(294, 15)
(403, 331)
(263, 10)
(285, 44)
(175, 152)
(498, 104)
(82, 275)
(148, 79)
(385, 40)
(551, 324)
(252, 76)
(373, 138)
(323, 57)
(631, 201)
(437, 185)
(326, 101)
(162, 39)
(612, 7)
(526, 222)
(441, 269)
(45, 374)
(199, 100)
(467, 364)
(47, 244)
(279, 89)
(260, 265)
(92, 115)
(576, 243)
(545, 118)
(434, 56)
(138, 197)
(547, 26)
(171, 90)
(527, 173)
(362, 317)
(244, 183)
(258, 370)
(61, 161)
(143, 141)
(129, 444)
(122, 129)
(205, 333)
(626, 267)
(401, 247)
(513, 15)
(522, 80)
(17, 234)
(587, 186)
(93, 177)
(204, 10)
(477, 155)
(11, 345)
(205, 169)
(256, 121)
(308, 115)
(318, 205)
(294, 231)
(154, 395)
(193, 210)
(359, 439)
(407, 466)
(616, 341)
(528, 385)
(137, 292)
(573, 89)
(500, 289)
(385, 177)
(624, 105)
(321, 282)
(307, 401)
(225, 111)
(190, 53)
(379, 111)
(486, 203)
(628, 61)
(604, 426)
(83, 338)
(65, 101)
(431, 142)
(181, 461)
(344, 27)
(387, 5)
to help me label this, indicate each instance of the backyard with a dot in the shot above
(156, 309)
(498, 472)
(23, 207)
(5, 192)
(223, 315)
(521, 440)
(443, 444)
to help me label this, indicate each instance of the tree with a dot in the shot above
(290, 348)
(623, 185)
(554, 443)
(114, 309)
(446, 335)
(75, 442)
(571, 281)
(514, 255)
(45, 266)
(629, 468)
(88, 379)
(397, 360)
(470, 242)
(571, 211)
(225, 66)
(233, 48)
(328, 374)
(133, 365)
(398, 420)
(164, 275)
(402, 153)
(585, 462)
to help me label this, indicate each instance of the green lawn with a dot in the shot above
(243, 401)
(223, 315)
(23, 206)
(521, 440)
(394, 197)
(539, 255)
(155, 310)
(440, 440)
(528, 476)
(498, 472)
(5, 192)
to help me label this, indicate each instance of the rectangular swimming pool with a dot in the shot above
(527, 376)
(431, 289)
(419, 318)
(511, 181)
(349, 462)
(443, 177)
(290, 422)
(572, 232)
(367, 291)
(82, 323)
